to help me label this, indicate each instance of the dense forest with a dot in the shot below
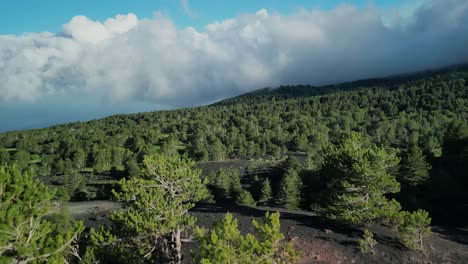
(372, 151)
(422, 112)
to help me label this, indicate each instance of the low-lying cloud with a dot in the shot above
(127, 59)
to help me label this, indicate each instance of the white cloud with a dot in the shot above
(83, 29)
(121, 23)
(126, 59)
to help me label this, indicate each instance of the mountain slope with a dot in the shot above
(288, 92)
(417, 111)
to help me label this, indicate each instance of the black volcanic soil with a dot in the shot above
(318, 240)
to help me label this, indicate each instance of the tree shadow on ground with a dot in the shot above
(455, 234)
(389, 241)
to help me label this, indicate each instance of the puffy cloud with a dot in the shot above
(126, 59)
(83, 29)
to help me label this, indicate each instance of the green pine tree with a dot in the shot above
(358, 177)
(225, 244)
(245, 198)
(414, 169)
(291, 163)
(367, 242)
(25, 235)
(413, 227)
(226, 184)
(5, 157)
(217, 151)
(235, 186)
(156, 205)
(266, 193)
(289, 195)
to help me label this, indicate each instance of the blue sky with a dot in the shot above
(19, 16)
(85, 59)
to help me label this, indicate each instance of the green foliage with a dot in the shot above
(22, 158)
(5, 157)
(266, 194)
(456, 130)
(235, 186)
(292, 164)
(104, 244)
(75, 185)
(25, 234)
(169, 146)
(225, 244)
(289, 195)
(79, 159)
(392, 111)
(428, 110)
(132, 170)
(102, 158)
(226, 184)
(414, 169)
(358, 178)
(413, 227)
(62, 194)
(217, 151)
(245, 198)
(367, 242)
(156, 205)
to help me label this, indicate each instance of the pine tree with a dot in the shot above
(414, 169)
(22, 158)
(156, 205)
(25, 235)
(131, 168)
(5, 157)
(79, 159)
(291, 163)
(245, 198)
(169, 146)
(367, 242)
(225, 244)
(357, 174)
(266, 194)
(289, 195)
(226, 184)
(413, 227)
(235, 186)
(217, 151)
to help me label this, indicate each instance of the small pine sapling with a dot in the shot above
(367, 242)
(414, 226)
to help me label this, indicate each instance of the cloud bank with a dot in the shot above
(126, 59)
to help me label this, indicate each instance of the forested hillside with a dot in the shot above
(417, 112)
(386, 153)
(423, 115)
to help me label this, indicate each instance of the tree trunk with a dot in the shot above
(166, 251)
(178, 246)
(420, 240)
